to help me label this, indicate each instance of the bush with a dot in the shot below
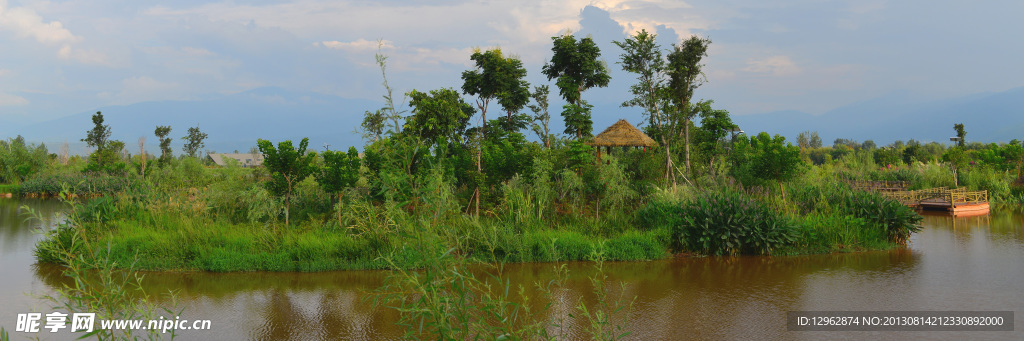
(727, 222)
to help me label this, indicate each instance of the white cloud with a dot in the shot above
(4, 72)
(12, 100)
(776, 66)
(27, 23)
(66, 52)
(358, 45)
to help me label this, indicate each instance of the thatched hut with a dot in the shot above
(621, 134)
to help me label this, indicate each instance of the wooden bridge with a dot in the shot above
(959, 201)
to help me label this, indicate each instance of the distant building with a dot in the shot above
(244, 160)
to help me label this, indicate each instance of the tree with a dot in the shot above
(496, 77)
(715, 124)
(684, 71)
(97, 136)
(194, 141)
(576, 67)
(642, 55)
(288, 166)
(541, 117)
(161, 133)
(761, 158)
(961, 134)
(815, 140)
(438, 117)
(957, 158)
(338, 172)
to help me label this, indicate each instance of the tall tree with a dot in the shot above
(97, 136)
(642, 56)
(541, 117)
(194, 141)
(288, 166)
(339, 171)
(577, 67)
(684, 70)
(161, 133)
(961, 134)
(438, 117)
(495, 77)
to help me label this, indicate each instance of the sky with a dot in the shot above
(59, 58)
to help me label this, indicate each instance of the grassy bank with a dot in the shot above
(185, 232)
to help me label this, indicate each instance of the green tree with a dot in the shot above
(194, 141)
(497, 77)
(288, 166)
(97, 136)
(715, 125)
(815, 140)
(439, 117)
(541, 117)
(338, 172)
(685, 76)
(956, 158)
(161, 133)
(961, 134)
(642, 56)
(761, 158)
(577, 67)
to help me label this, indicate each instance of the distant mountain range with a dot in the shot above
(234, 122)
(987, 117)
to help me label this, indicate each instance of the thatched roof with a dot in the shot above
(622, 134)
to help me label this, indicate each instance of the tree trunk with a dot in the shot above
(339, 208)
(686, 140)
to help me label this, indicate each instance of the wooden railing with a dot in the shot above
(954, 196)
(880, 186)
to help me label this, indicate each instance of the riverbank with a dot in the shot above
(182, 233)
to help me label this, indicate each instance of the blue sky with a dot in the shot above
(64, 57)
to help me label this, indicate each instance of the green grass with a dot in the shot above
(14, 189)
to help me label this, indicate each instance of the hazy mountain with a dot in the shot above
(232, 121)
(988, 117)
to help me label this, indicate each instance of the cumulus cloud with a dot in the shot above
(27, 23)
(776, 66)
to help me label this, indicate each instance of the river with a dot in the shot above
(953, 264)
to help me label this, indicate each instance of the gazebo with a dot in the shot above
(621, 134)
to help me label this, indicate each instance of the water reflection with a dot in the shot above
(964, 263)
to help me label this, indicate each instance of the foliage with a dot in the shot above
(576, 67)
(729, 223)
(497, 77)
(99, 134)
(20, 162)
(161, 133)
(762, 158)
(577, 120)
(288, 166)
(438, 117)
(541, 117)
(961, 134)
(194, 141)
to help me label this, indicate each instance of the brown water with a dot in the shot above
(953, 264)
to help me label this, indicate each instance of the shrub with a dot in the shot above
(728, 222)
